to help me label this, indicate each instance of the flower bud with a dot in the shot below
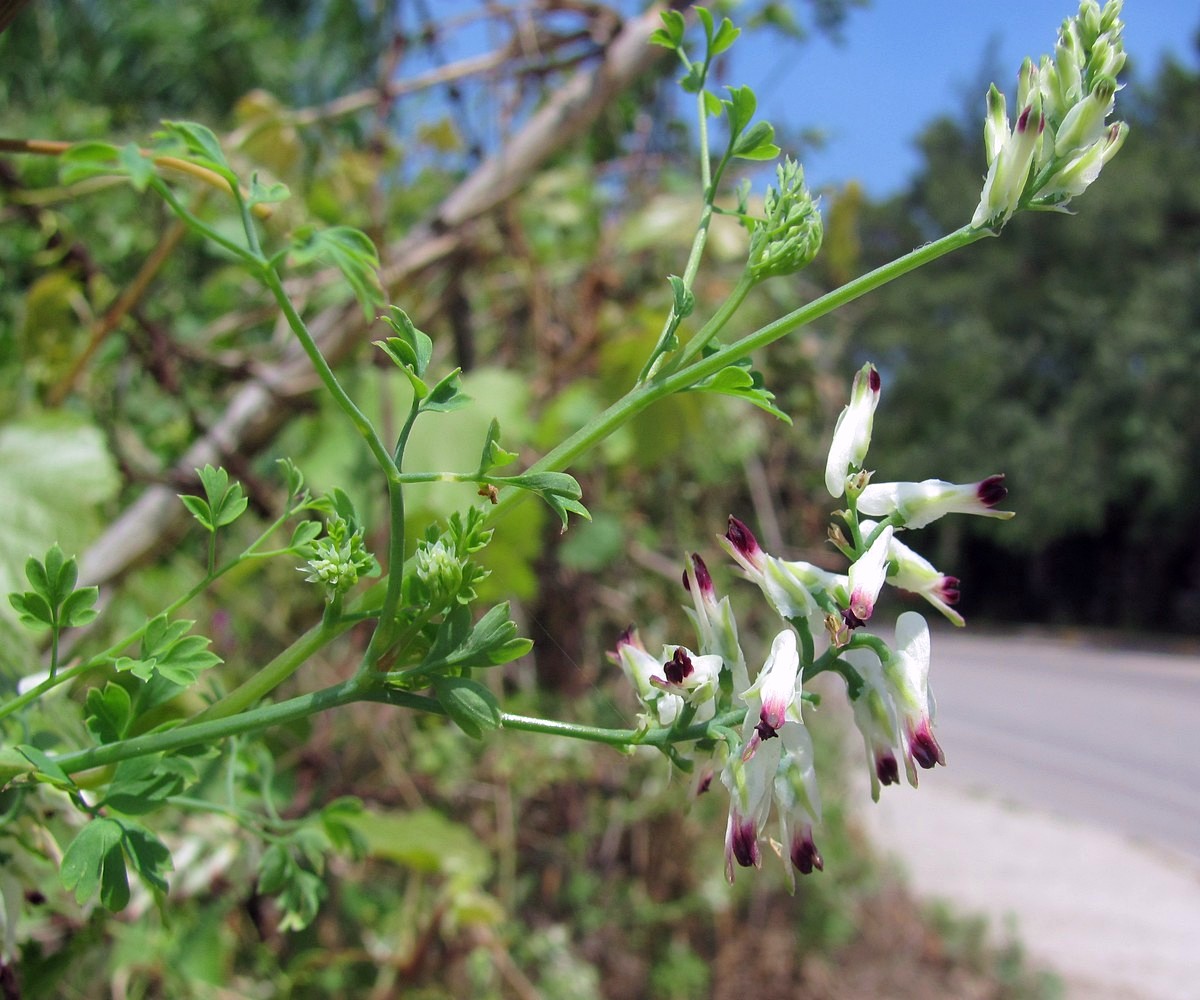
(1009, 171)
(1077, 174)
(852, 433)
(790, 235)
(1084, 123)
(438, 571)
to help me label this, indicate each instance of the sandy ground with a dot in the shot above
(1113, 917)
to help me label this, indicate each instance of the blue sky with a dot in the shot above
(904, 62)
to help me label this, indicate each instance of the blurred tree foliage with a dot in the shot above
(527, 868)
(1065, 355)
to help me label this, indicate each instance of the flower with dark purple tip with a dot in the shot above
(775, 689)
(789, 586)
(907, 674)
(875, 716)
(866, 580)
(919, 504)
(852, 433)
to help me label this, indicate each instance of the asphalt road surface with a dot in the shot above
(1069, 812)
(1103, 735)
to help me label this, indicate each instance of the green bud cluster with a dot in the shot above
(438, 572)
(789, 236)
(1061, 139)
(338, 560)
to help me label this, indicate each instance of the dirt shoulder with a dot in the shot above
(1113, 917)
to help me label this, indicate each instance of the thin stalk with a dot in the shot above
(385, 628)
(716, 323)
(364, 426)
(643, 394)
(620, 737)
(266, 680)
(213, 730)
(671, 324)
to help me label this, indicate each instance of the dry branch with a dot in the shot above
(261, 406)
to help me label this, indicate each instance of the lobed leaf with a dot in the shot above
(85, 857)
(470, 705)
(108, 711)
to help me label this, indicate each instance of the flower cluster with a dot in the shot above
(768, 761)
(1061, 140)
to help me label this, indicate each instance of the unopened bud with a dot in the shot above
(790, 235)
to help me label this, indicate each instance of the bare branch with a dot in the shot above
(260, 407)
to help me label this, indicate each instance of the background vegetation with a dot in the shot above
(1061, 354)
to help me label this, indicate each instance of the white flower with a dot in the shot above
(866, 580)
(907, 675)
(875, 716)
(852, 433)
(798, 802)
(919, 504)
(775, 690)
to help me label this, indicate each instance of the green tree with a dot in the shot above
(1066, 355)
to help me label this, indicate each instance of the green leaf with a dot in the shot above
(726, 35)
(670, 35)
(692, 82)
(683, 301)
(305, 533)
(47, 770)
(149, 855)
(338, 820)
(493, 455)
(200, 510)
(351, 252)
(88, 159)
(470, 705)
(53, 601)
(492, 641)
(114, 880)
(274, 870)
(713, 105)
(138, 167)
(739, 381)
(77, 609)
(300, 900)
(757, 143)
(740, 108)
(292, 476)
(201, 146)
(169, 652)
(32, 610)
(560, 491)
(266, 194)
(143, 784)
(85, 856)
(447, 395)
(704, 16)
(108, 711)
(410, 348)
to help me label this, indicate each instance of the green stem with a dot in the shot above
(645, 393)
(212, 730)
(385, 628)
(364, 426)
(716, 323)
(202, 227)
(671, 325)
(619, 737)
(264, 681)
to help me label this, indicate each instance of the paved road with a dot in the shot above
(1069, 813)
(1103, 735)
